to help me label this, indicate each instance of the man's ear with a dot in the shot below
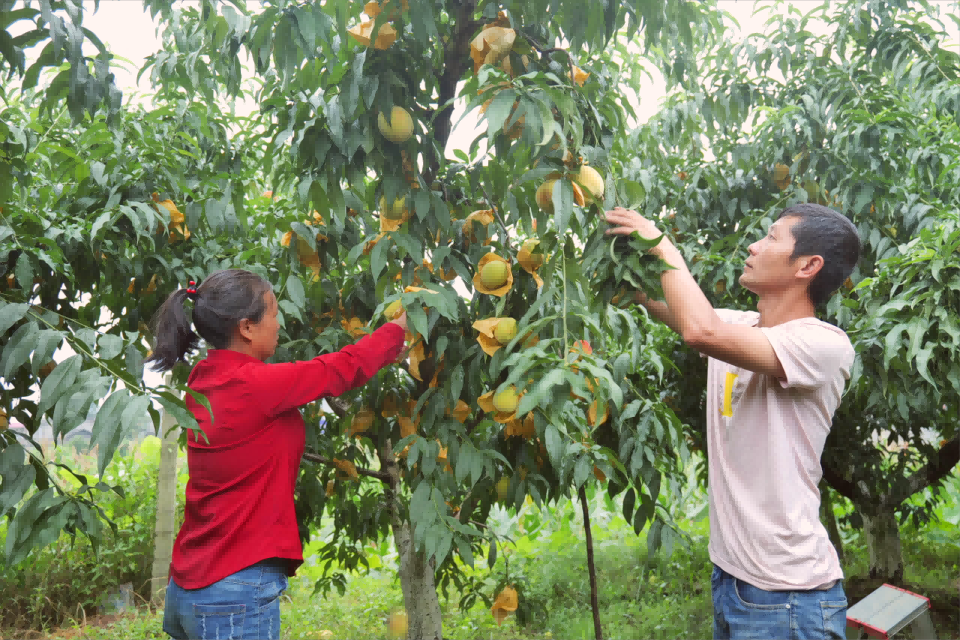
(245, 328)
(809, 267)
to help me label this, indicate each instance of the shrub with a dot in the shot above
(67, 579)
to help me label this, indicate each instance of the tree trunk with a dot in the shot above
(829, 518)
(420, 597)
(591, 566)
(164, 531)
(883, 542)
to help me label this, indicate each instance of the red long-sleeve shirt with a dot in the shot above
(239, 499)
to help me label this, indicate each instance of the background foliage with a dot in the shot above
(110, 209)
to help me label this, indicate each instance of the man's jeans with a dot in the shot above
(742, 611)
(242, 606)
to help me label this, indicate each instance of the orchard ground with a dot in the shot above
(666, 596)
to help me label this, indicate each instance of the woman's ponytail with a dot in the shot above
(173, 338)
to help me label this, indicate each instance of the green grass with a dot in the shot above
(667, 597)
(670, 598)
(674, 600)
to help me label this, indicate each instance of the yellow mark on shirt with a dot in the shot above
(727, 410)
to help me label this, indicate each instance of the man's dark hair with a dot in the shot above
(822, 231)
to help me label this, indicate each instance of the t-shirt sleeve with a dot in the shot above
(289, 385)
(811, 355)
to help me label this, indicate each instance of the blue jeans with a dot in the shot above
(742, 611)
(242, 606)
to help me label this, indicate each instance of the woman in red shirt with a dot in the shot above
(239, 540)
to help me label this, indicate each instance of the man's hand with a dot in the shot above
(627, 221)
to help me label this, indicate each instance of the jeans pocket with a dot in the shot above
(270, 591)
(834, 614)
(220, 621)
(756, 598)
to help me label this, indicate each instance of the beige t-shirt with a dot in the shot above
(765, 437)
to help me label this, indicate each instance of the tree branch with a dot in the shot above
(472, 423)
(340, 407)
(456, 59)
(388, 462)
(929, 474)
(544, 52)
(496, 213)
(846, 488)
(379, 475)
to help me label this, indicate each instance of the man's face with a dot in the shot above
(769, 268)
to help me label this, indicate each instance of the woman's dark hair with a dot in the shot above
(824, 232)
(219, 304)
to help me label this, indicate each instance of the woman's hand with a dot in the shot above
(402, 321)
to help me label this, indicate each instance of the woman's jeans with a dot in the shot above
(742, 611)
(242, 606)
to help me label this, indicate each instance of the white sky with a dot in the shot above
(127, 30)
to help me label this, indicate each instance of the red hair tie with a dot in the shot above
(192, 291)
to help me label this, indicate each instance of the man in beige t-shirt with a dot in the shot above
(775, 377)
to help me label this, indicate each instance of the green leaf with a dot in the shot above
(543, 392)
(296, 292)
(60, 380)
(17, 477)
(443, 548)
(582, 470)
(476, 468)
(378, 258)
(892, 344)
(654, 537)
(24, 272)
(107, 420)
(110, 346)
(632, 195)
(21, 529)
(88, 337)
(554, 445)
(562, 204)
(204, 402)
(214, 213)
(418, 318)
(421, 203)
(139, 224)
(420, 503)
(629, 502)
(304, 232)
(47, 342)
(10, 314)
(455, 383)
(923, 362)
(498, 111)
(17, 351)
(134, 361)
(175, 407)
(96, 172)
(131, 416)
(112, 432)
(463, 461)
(466, 554)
